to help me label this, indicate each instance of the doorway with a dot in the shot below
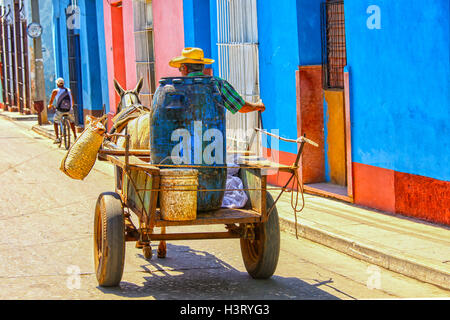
(74, 56)
(335, 174)
(118, 47)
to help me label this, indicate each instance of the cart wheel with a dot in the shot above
(147, 251)
(261, 256)
(109, 239)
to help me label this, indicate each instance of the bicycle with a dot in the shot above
(64, 126)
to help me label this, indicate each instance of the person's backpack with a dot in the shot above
(64, 104)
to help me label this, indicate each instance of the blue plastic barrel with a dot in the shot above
(187, 126)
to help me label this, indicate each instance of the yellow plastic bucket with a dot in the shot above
(178, 195)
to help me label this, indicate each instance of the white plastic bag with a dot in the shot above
(234, 198)
(233, 169)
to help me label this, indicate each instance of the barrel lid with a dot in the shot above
(178, 172)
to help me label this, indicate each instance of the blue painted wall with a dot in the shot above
(213, 33)
(61, 48)
(47, 47)
(197, 29)
(309, 41)
(103, 67)
(400, 85)
(90, 56)
(60, 39)
(327, 172)
(278, 61)
(92, 51)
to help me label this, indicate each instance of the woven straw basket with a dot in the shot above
(81, 156)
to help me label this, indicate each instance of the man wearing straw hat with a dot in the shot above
(192, 62)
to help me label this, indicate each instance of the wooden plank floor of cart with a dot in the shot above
(221, 216)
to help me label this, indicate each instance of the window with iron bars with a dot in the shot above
(334, 56)
(239, 64)
(143, 40)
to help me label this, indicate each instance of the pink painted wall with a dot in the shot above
(128, 58)
(129, 47)
(168, 42)
(168, 35)
(109, 52)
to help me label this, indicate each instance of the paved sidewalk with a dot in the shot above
(16, 116)
(30, 122)
(408, 246)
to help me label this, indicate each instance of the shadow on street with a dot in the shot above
(198, 275)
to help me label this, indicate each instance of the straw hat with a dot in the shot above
(190, 55)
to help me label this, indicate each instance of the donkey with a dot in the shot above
(134, 118)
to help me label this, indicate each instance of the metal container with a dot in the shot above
(187, 121)
(178, 195)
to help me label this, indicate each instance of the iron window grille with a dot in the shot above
(334, 56)
(238, 53)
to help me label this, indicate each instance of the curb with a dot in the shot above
(383, 257)
(38, 129)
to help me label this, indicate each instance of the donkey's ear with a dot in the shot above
(118, 88)
(139, 86)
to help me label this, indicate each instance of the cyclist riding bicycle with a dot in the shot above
(64, 106)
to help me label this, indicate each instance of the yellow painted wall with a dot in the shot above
(335, 140)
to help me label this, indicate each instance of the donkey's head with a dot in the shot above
(128, 98)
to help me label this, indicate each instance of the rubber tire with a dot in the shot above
(61, 130)
(66, 133)
(109, 239)
(263, 263)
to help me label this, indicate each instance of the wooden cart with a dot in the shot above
(136, 191)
